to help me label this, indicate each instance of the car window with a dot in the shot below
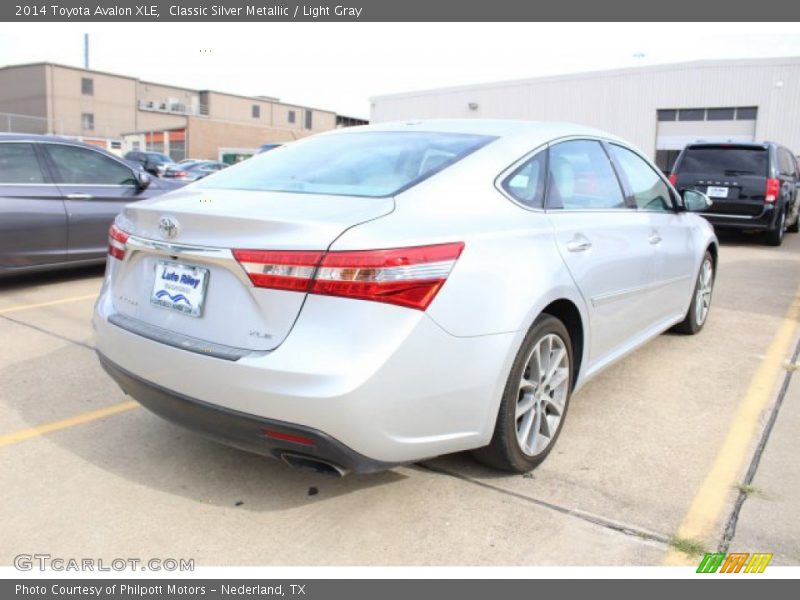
(724, 161)
(77, 165)
(581, 178)
(18, 164)
(370, 164)
(648, 189)
(526, 183)
(786, 162)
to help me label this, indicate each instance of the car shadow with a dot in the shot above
(146, 450)
(26, 280)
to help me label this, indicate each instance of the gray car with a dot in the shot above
(58, 198)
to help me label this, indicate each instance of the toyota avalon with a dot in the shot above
(379, 295)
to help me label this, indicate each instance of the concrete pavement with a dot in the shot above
(638, 443)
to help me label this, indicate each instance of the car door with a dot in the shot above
(668, 232)
(603, 240)
(94, 187)
(33, 219)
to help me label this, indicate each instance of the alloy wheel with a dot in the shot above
(705, 284)
(543, 392)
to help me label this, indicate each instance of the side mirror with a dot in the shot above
(695, 201)
(143, 179)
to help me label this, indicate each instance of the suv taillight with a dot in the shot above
(409, 277)
(116, 242)
(773, 190)
(673, 179)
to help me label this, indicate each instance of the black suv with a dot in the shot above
(152, 162)
(753, 186)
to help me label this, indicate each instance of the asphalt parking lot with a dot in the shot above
(648, 468)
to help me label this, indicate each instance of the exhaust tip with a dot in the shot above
(315, 465)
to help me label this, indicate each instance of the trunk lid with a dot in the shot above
(208, 225)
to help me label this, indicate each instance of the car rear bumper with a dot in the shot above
(760, 222)
(240, 430)
(378, 387)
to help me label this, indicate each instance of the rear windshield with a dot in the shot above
(722, 161)
(371, 164)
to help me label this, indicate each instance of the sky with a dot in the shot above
(339, 66)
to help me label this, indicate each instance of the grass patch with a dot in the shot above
(747, 490)
(687, 545)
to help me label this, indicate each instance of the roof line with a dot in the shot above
(707, 63)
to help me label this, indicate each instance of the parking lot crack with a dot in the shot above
(746, 486)
(48, 332)
(630, 530)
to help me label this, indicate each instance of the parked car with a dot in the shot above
(194, 170)
(57, 199)
(369, 298)
(754, 187)
(152, 162)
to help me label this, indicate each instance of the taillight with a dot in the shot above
(673, 179)
(116, 242)
(409, 277)
(773, 190)
(278, 269)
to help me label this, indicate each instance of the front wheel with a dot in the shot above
(535, 399)
(701, 299)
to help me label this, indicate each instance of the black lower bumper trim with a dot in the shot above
(238, 429)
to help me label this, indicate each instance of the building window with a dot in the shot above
(667, 114)
(115, 145)
(692, 114)
(720, 114)
(87, 86)
(308, 119)
(256, 111)
(291, 116)
(87, 121)
(746, 113)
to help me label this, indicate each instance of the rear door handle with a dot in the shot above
(79, 196)
(579, 244)
(654, 239)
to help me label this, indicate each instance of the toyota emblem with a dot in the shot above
(168, 226)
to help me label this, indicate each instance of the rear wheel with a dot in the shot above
(774, 237)
(794, 227)
(697, 314)
(535, 399)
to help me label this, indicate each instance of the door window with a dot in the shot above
(526, 184)
(18, 164)
(76, 165)
(648, 189)
(581, 178)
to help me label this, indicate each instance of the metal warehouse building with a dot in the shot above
(658, 108)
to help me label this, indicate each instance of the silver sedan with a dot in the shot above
(379, 295)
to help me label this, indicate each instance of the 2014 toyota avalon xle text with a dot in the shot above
(380, 295)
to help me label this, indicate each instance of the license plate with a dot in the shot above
(180, 287)
(717, 192)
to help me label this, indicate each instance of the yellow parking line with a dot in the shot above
(50, 303)
(709, 501)
(26, 434)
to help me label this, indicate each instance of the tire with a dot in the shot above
(794, 227)
(547, 336)
(774, 237)
(696, 318)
